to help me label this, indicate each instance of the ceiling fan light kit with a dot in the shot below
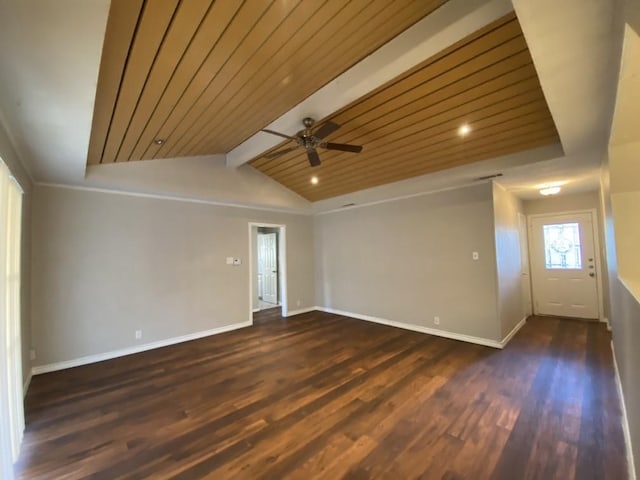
(311, 141)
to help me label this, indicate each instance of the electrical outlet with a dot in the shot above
(475, 256)
(32, 354)
(298, 302)
(138, 334)
(237, 261)
(436, 320)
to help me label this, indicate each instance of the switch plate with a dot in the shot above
(237, 261)
(138, 334)
(475, 256)
(229, 260)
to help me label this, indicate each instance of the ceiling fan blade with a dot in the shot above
(343, 147)
(326, 130)
(279, 152)
(314, 158)
(273, 132)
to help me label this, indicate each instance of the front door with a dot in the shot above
(563, 265)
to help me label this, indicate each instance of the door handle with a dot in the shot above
(592, 274)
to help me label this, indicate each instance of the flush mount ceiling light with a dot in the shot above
(464, 130)
(550, 188)
(549, 191)
(314, 180)
(159, 141)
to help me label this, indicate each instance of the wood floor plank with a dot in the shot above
(325, 396)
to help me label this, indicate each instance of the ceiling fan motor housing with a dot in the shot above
(310, 141)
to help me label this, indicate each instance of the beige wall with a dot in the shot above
(511, 307)
(10, 157)
(410, 260)
(106, 265)
(625, 321)
(625, 201)
(626, 211)
(620, 204)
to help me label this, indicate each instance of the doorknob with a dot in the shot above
(592, 274)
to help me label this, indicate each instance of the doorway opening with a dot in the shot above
(565, 265)
(267, 267)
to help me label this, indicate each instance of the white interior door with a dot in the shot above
(268, 267)
(563, 265)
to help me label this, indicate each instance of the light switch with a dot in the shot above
(229, 260)
(476, 256)
(237, 261)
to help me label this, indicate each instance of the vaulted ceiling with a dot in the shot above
(409, 127)
(196, 77)
(183, 78)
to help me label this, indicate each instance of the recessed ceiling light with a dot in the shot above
(549, 191)
(159, 141)
(464, 130)
(314, 180)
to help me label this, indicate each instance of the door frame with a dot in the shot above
(526, 269)
(282, 264)
(595, 226)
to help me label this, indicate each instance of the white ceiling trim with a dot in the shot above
(453, 21)
(443, 180)
(175, 198)
(202, 177)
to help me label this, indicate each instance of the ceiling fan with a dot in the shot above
(310, 141)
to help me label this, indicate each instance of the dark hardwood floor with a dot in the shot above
(324, 396)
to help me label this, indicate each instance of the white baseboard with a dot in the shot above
(255, 310)
(606, 321)
(512, 333)
(625, 419)
(417, 328)
(52, 367)
(27, 382)
(291, 313)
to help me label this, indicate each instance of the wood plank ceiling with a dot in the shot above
(409, 127)
(204, 75)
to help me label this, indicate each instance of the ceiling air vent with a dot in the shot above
(488, 177)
